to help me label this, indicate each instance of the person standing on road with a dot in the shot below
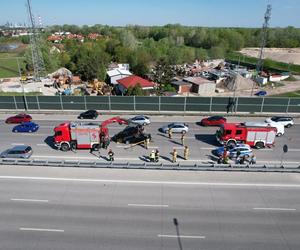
(111, 155)
(170, 133)
(146, 142)
(186, 152)
(182, 137)
(152, 156)
(156, 155)
(174, 155)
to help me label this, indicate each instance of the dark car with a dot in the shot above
(261, 93)
(21, 151)
(131, 134)
(26, 127)
(213, 121)
(90, 114)
(19, 118)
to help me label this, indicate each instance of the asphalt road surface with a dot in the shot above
(63, 209)
(201, 141)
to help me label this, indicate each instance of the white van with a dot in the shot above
(279, 127)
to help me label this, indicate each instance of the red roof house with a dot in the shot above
(132, 81)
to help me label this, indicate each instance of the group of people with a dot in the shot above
(239, 159)
(154, 156)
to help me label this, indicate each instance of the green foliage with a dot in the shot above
(135, 91)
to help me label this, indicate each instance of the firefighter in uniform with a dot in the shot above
(186, 152)
(170, 133)
(147, 141)
(182, 137)
(174, 155)
(152, 156)
(111, 155)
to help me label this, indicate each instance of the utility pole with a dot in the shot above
(264, 36)
(37, 58)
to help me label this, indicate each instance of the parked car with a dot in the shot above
(213, 121)
(21, 151)
(244, 149)
(19, 118)
(284, 120)
(176, 127)
(261, 93)
(140, 119)
(279, 127)
(90, 114)
(26, 127)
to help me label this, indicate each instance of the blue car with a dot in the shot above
(261, 93)
(232, 152)
(26, 127)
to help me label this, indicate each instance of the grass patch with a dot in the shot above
(291, 79)
(289, 94)
(19, 94)
(268, 63)
(9, 65)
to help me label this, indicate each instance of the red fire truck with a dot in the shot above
(233, 133)
(84, 136)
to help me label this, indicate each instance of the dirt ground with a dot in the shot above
(288, 87)
(287, 55)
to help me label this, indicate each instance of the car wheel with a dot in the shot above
(259, 145)
(15, 131)
(279, 134)
(80, 117)
(65, 147)
(29, 131)
(144, 124)
(94, 117)
(289, 125)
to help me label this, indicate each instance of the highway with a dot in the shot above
(67, 208)
(201, 141)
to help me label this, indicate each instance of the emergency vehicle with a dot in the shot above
(232, 133)
(71, 135)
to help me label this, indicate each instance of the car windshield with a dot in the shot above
(27, 149)
(275, 119)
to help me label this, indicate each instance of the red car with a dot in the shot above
(213, 121)
(19, 118)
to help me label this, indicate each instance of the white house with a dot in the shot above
(117, 74)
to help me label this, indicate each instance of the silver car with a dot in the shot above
(140, 119)
(176, 127)
(21, 151)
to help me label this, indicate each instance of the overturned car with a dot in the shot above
(131, 134)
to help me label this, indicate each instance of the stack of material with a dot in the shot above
(237, 82)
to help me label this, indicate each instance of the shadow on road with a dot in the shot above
(49, 142)
(208, 138)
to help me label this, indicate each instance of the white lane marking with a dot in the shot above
(146, 205)
(266, 149)
(274, 209)
(29, 200)
(41, 229)
(207, 148)
(181, 236)
(294, 150)
(42, 145)
(17, 144)
(153, 182)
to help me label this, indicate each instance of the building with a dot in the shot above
(201, 85)
(117, 74)
(181, 87)
(132, 81)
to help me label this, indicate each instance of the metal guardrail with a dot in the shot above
(153, 166)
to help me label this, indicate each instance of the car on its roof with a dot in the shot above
(286, 121)
(261, 93)
(176, 127)
(244, 149)
(26, 127)
(19, 151)
(90, 114)
(140, 119)
(19, 118)
(131, 134)
(213, 121)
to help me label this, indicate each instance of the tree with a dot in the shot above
(128, 40)
(135, 91)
